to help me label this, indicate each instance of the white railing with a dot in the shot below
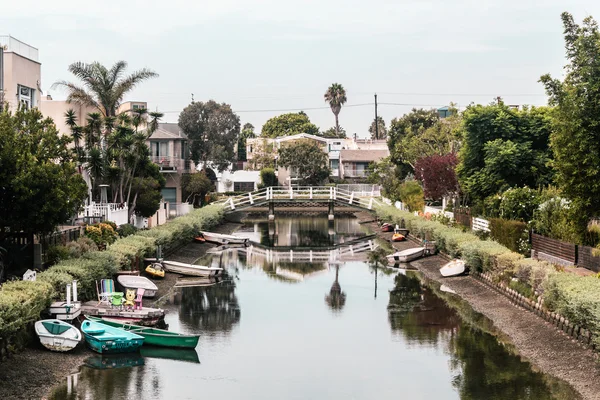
(300, 193)
(361, 189)
(257, 254)
(115, 212)
(480, 224)
(167, 163)
(355, 174)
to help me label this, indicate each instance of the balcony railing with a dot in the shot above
(355, 174)
(172, 164)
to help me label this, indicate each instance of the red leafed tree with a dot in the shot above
(437, 175)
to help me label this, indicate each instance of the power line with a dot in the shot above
(287, 109)
(465, 94)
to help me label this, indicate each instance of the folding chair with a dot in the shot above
(105, 291)
(138, 299)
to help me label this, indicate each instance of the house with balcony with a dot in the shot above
(20, 73)
(355, 163)
(169, 149)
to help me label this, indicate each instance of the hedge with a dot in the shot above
(508, 232)
(21, 302)
(575, 297)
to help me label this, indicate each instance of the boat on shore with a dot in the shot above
(453, 268)
(57, 335)
(105, 339)
(138, 282)
(191, 269)
(398, 237)
(221, 238)
(408, 255)
(154, 336)
(155, 270)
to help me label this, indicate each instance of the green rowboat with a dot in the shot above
(154, 336)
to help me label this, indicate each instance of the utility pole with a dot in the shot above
(376, 122)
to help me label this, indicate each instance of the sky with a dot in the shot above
(265, 57)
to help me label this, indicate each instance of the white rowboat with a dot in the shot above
(57, 335)
(221, 238)
(191, 269)
(138, 282)
(405, 256)
(453, 268)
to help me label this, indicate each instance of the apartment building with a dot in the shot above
(20, 73)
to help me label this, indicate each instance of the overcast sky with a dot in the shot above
(283, 54)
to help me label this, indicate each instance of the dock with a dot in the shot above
(147, 316)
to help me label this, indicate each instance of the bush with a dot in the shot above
(268, 177)
(411, 194)
(126, 230)
(57, 253)
(519, 204)
(21, 303)
(101, 233)
(510, 233)
(555, 217)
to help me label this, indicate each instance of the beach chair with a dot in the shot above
(105, 289)
(138, 299)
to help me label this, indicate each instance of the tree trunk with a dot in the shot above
(337, 125)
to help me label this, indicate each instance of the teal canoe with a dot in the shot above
(154, 336)
(105, 339)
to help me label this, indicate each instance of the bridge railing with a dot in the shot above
(299, 193)
(332, 255)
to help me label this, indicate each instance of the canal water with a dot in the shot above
(292, 329)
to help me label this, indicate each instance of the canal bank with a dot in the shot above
(536, 340)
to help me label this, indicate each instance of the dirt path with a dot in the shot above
(539, 342)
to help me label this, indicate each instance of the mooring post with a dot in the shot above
(271, 210)
(331, 210)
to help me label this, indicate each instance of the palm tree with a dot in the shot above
(336, 97)
(102, 88)
(154, 118)
(76, 131)
(336, 298)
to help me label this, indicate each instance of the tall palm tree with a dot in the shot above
(101, 87)
(76, 130)
(336, 97)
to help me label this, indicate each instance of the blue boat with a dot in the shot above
(106, 339)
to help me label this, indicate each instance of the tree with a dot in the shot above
(381, 132)
(503, 148)
(148, 196)
(386, 174)
(306, 158)
(268, 177)
(437, 175)
(213, 131)
(247, 133)
(196, 185)
(263, 155)
(576, 120)
(40, 186)
(334, 132)
(102, 88)
(288, 124)
(411, 194)
(336, 97)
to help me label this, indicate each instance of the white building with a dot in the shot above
(20, 73)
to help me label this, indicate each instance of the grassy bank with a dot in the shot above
(21, 302)
(574, 297)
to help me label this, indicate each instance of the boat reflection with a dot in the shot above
(185, 355)
(112, 361)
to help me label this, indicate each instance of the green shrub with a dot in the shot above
(510, 233)
(521, 288)
(57, 253)
(21, 303)
(268, 177)
(126, 230)
(411, 194)
(519, 204)
(57, 279)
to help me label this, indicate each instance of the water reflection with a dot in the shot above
(336, 298)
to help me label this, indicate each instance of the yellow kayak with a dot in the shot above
(155, 270)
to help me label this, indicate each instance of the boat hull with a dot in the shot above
(406, 255)
(67, 340)
(137, 282)
(191, 270)
(219, 238)
(453, 268)
(156, 337)
(105, 339)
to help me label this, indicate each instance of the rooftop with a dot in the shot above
(363, 155)
(16, 46)
(168, 131)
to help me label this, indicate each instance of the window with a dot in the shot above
(184, 150)
(334, 164)
(169, 195)
(135, 106)
(159, 149)
(243, 186)
(25, 96)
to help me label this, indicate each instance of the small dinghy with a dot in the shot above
(405, 256)
(57, 335)
(387, 227)
(155, 270)
(220, 238)
(453, 268)
(191, 269)
(154, 336)
(398, 237)
(105, 339)
(138, 282)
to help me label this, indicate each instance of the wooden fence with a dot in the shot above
(463, 217)
(586, 259)
(555, 248)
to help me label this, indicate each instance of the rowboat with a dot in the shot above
(387, 227)
(155, 270)
(154, 336)
(201, 281)
(105, 339)
(453, 268)
(398, 237)
(405, 256)
(138, 282)
(220, 238)
(57, 335)
(191, 269)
